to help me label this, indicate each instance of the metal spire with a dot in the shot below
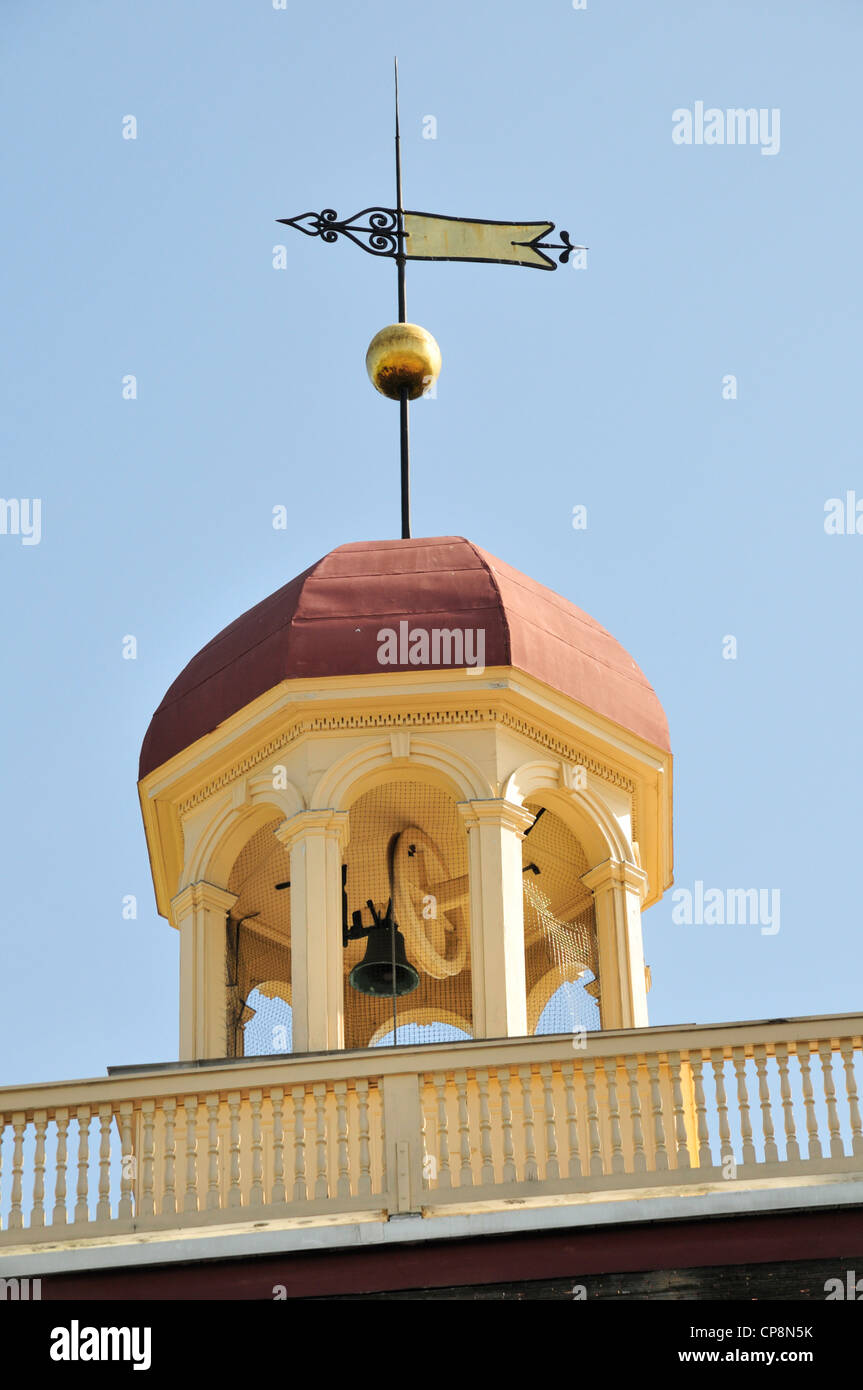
(404, 423)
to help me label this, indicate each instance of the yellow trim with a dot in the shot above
(501, 697)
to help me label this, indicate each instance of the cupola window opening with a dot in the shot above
(407, 847)
(561, 959)
(259, 1015)
(268, 1019)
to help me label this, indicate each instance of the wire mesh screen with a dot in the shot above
(559, 928)
(407, 842)
(258, 949)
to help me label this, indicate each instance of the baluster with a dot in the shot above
(298, 1097)
(485, 1128)
(190, 1200)
(705, 1157)
(235, 1191)
(364, 1185)
(660, 1157)
(552, 1166)
(825, 1051)
(214, 1198)
(277, 1099)
(169, 1195)
(61, 1120)
(103, 1206)
(128, 1163)
(16, 1215)
(429, 1160)
(82, 1212)
(846, 1047)
(322, 1187)
(593, 1130)
(343, 1186)
(639, 1157)
(503, 1081)
(792, 1148)
(738, 1057)
(574, 1165)
(618, 1163)
(726, 1149)
(683, 1157)
(814, 1140)
(256, 1192)
(465, 1176)
(444, 1177)
(771, 1153)
(148, 1163)
(531, 1171)
(37, 1216)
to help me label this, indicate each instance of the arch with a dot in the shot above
(374, 764)
(582, 808)
(544, 990)
(423, 1017)
(270, 989)
(215, 840)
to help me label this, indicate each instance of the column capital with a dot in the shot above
(616, 871)
(324, 822)
(201, 895)
(496, 811)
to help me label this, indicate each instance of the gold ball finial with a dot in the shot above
(403, 356)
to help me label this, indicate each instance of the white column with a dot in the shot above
(618, 891)
(200, 912)
(495, 832)
(316, 840)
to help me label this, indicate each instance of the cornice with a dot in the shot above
(425, 719)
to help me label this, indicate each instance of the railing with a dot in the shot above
(363, 1135)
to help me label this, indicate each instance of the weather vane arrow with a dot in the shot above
(427, 236)
(403, 360)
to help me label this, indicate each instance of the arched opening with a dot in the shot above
(418, 1025)
(561, 962)
(571, 1008)
(410, 1034)
(258, 957)
(408, 843)
(268, 1020)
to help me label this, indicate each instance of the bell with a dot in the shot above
(374, 975)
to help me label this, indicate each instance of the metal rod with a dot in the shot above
(404, 430)
(406, 465)
(400, 211)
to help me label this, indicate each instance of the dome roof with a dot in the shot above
(326, 623)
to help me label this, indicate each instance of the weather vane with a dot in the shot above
(403, 360)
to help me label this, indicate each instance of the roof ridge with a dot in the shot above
(484, 558)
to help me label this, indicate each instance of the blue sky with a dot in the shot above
(600, 387)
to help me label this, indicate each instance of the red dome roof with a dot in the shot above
(326, 623)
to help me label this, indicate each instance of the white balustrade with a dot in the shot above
(508, 1119)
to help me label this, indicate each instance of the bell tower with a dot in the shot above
(411, 756)
(412, 796)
